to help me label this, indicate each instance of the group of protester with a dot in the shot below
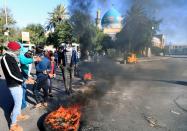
(16, 64)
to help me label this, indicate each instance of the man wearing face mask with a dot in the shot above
(14, 80)
(67, 67)
(25, 58)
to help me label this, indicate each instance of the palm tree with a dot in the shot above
(59, 14)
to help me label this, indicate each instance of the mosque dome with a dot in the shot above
(111, 18)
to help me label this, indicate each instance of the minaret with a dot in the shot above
(98, 19)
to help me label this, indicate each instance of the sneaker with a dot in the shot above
(67, 92)
(23, 117)
(38, 105)
(45, 104)
(16, 127)
(71, 91)
(50, 95)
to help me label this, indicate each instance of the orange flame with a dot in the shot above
(64, 119)
(88, 76)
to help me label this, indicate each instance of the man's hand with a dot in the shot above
(45, 72)
(54, 75)
(29, 81)
(51, 75)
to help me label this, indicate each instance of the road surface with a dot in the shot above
(147, 96)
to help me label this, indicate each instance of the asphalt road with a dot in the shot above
(147, 96)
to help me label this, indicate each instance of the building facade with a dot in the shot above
(110, 23)
(158, 41)
(176, 49)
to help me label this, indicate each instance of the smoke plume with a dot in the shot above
(172, 12)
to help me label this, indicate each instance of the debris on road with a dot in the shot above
(147, 107)
(174, 112)
(92, 126)
(152, 122)
(112, 92)
(113, 120)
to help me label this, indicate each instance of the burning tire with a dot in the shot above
(63, 119)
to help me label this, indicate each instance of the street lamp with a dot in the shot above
(149, 47)
(152, 29)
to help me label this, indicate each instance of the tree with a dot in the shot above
(3, 26)
(14, 34)
(107, 43)
(58, 15)
(62, 29)
(52, 39)
(65, 32)
(138, 30)
(82, 24)
(37, 33)
(97, 40)
(62, 34)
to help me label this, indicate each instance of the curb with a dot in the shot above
(153, 60)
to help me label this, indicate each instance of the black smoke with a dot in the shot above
(81, 20)
(173, 14)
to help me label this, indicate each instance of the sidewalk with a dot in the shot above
(35, 122)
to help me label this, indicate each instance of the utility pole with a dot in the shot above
(6, 19)
(6, 13)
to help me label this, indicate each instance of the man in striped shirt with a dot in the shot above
(67, 67)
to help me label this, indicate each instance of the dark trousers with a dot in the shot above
(76, 70)
(50, 84)
(41, 83)
(67, 74)
(56, 61)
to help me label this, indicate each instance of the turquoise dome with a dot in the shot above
(112, 16)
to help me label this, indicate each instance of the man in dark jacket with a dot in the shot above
(14, 80)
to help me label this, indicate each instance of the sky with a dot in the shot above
(31, 11)
(172, 12)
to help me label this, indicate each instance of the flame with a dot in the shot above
(88, 76)
(64, 119)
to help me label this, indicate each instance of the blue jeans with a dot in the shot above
(50, 84)
(24, 103)
(17, 94)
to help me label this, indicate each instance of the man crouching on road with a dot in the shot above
(14, 80)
